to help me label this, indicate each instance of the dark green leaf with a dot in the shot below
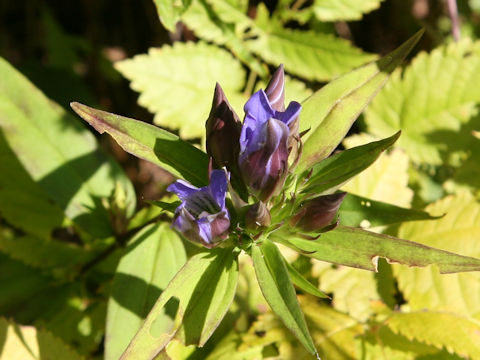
(274, 280)
(150, 143)
(361, 249)
(356, 210)
(303, 283)
(329, 174)
(332, 110)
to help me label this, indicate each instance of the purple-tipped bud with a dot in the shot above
(223, 129)
(264, 151)
(257, 216)
(317, 213)
(276, 90)
(202, 217)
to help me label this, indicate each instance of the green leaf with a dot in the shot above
(169, 11)
(150, 143)
(58, 154)
(331, 111)
(28, 343)
(431, 101)
(274, 280)
(430, 327)
(196, 301)
(358, 211)
(334, 10)
(385, 180)
(177, 83)
(303, 283)
(153, 257)
(48, 254)
(361, 249)
(231, 11)
(311, 55)
(457, 231)
(329, 174)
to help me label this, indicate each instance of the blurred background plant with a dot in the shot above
(73, 220)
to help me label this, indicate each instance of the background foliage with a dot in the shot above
(79, 270)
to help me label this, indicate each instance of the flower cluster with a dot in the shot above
(254, 157)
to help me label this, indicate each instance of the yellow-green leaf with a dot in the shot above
(334, 10)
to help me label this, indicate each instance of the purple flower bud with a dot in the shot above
(264, 150)
(202, 217)
(223, 129)
(276, 90)
(257, 216)
(318, 212)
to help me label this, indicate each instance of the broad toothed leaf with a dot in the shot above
(331, 111)
(169, 11)
(150, 143)
(334, 10)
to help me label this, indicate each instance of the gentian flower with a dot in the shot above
(318, 212)
(264, 140)
(202, 217)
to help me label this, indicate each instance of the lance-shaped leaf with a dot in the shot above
(329, 174)
(361, 249)
(274, 281)
(192, 305)
(303, 283)
(150, 143)
(361, 211)
(332, 110)
(152, 258)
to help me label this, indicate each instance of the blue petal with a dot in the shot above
(183, 189)
(205, 230)
(290, 114)
(258, 107)
(218, 187)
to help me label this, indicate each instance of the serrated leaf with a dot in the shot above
(199, 296)
(457, 231)
(360, 249)
(334, 10)
(353, 289)
(363, 212)
(462, 337)
(150, 143)
(334, 334)
(58, 154)
(311, 55)
(331, 111)
(153, 256)
(169, 11)
(28, 343)
(274, 280)
(231, 11)
(329, 174)
(385, 180)
(430, 101)
(176, 83)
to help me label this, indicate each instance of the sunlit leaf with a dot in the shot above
(273, 278)
(150, 143)
(176, 83)
(457, 231)
(333, 10)
(329, 174)
(303, 283)
(196, 300)
(385, 180)
(153, 256)
(331, 111)
(461, 337)
(28, 343)
(169, 11)
(311, 55)
(360, 249)
(431, 101)
(58, 154)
